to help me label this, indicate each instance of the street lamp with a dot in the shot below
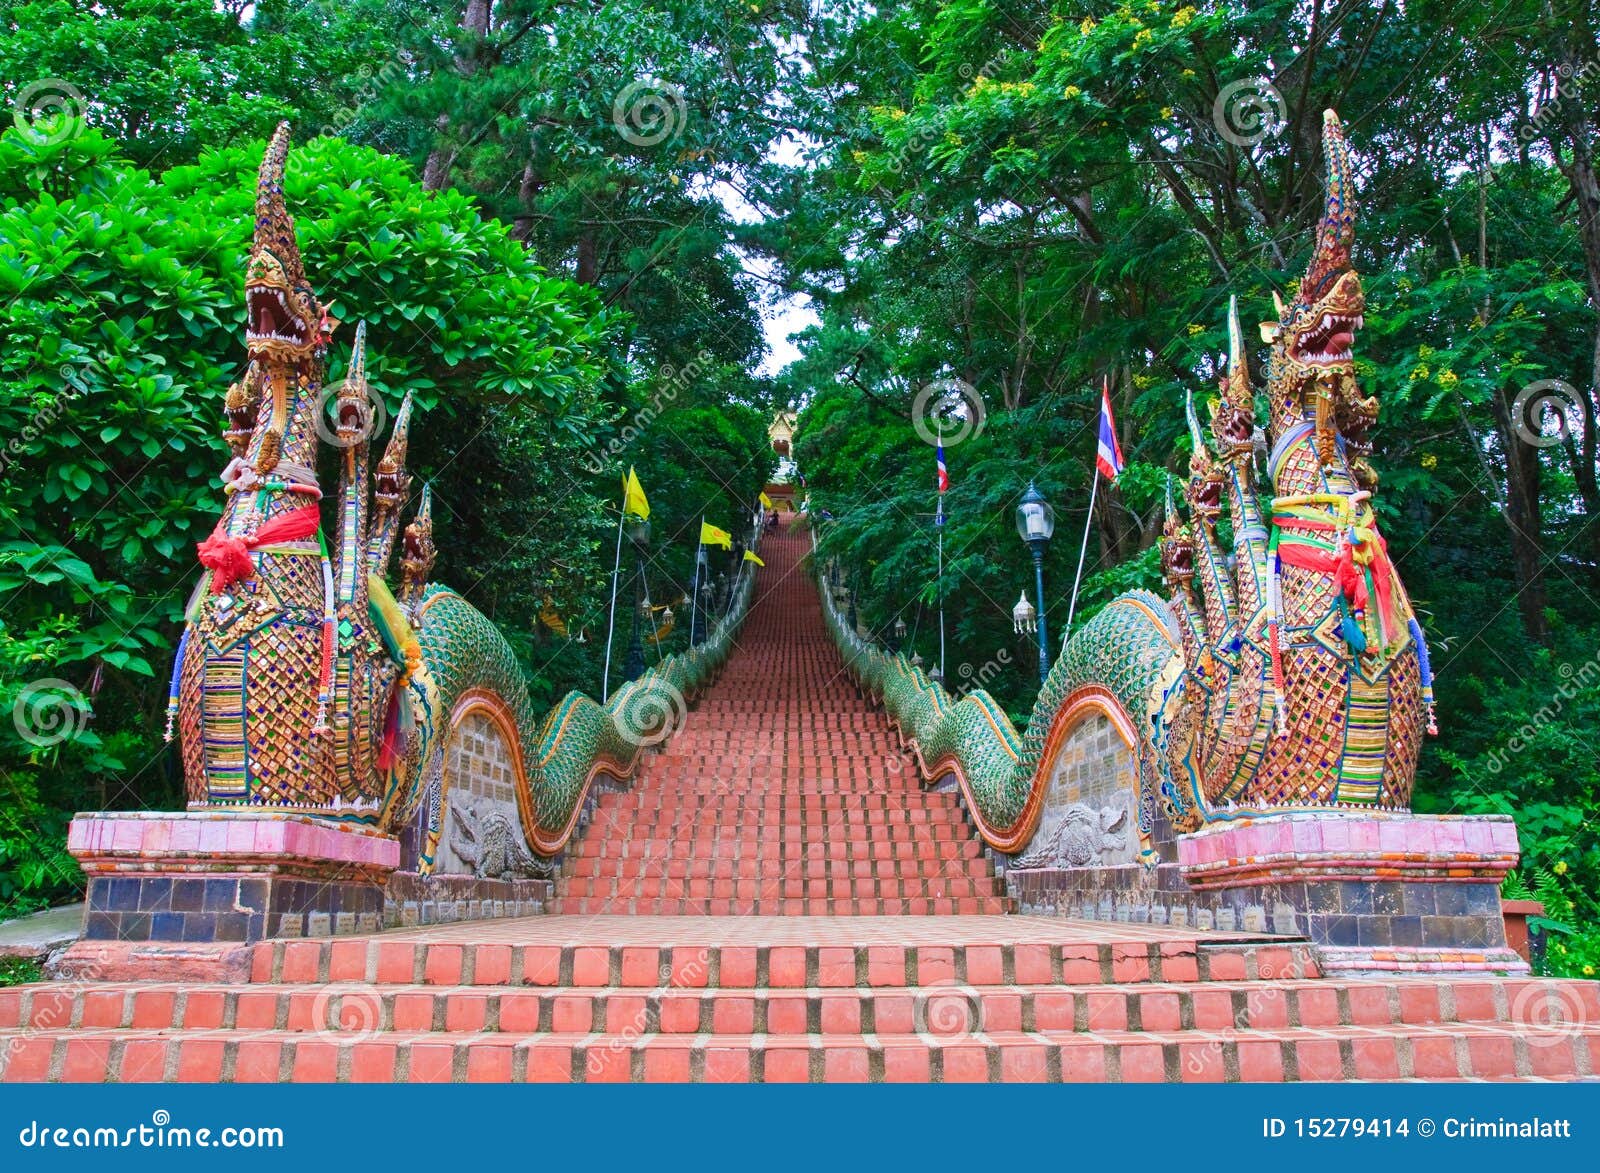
(899, 634)
(639, 535)
(697, 591)
(1036, 521)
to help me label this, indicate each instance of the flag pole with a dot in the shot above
(611, 623)
(1083, 549)
(939, 521)
(694, 589)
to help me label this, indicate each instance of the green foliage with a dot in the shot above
(19, 971)
(167, 78)
(1034, 197)
(120, 327)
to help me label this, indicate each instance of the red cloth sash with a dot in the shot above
(228, 557)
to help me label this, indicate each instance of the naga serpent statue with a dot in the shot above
(1292, 674)
(300, 681)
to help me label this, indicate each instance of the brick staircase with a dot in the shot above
(775, 999)
(783, 792)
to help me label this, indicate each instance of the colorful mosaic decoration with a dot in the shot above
(1287, 672)
(301, 681)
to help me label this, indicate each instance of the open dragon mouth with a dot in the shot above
(271, 319)
(1206, 497)
(1330, 340)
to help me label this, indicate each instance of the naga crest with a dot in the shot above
(1177, 546)
(285, 319)
(1314, 335)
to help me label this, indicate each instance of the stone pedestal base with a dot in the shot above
(1375, 892)
(235, 875)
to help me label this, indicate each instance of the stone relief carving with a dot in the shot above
(490, 843)
(1088, 818)
(1081, 836)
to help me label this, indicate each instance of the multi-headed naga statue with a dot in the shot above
(1291, 674)
(1305, 672)
(301, 681)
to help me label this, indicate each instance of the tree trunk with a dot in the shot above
(1523, 518)
(474, 23)
(588, 258)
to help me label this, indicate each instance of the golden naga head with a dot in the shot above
(1233, 418)
(1314, 336)
(285, 322)
(1206, 477)
(1177, 546)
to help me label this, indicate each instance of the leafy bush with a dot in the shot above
(121, 315)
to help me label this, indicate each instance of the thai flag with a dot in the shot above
(1108, 457)
(944, 473)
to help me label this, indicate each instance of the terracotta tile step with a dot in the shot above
(792, 820)
(913, 864)
(1447, 1052)
(400, 960)
(816, 905)
(843, 1003)
(752, 836)
(775, 738)
(765, 858)
(838, 776)
(831, 851)
(819, 843)
(782, 885)
(795, 813)
(876, 807)
(906, 788)
(719, 799)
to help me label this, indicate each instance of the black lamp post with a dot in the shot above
(639, 536)
(697, 590)
(1036, 521)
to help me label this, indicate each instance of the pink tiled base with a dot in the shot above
(232, 840)
(1332, 844)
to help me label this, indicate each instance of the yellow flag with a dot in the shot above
(750, 556)
(766, 501)
(633, 498)
(710, 535)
